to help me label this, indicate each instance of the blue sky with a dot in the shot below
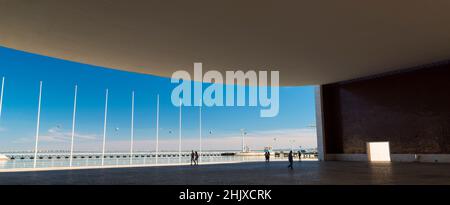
(221, 125)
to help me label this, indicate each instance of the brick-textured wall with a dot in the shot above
(410, 109)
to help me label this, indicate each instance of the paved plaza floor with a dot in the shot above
(260, 173)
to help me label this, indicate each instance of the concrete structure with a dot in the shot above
(408, 108)
(310, 42)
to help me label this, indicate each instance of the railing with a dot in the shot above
(60, 160)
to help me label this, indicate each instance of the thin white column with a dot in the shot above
(132, 128)
(73, 124)
(200, 132)
(243, 140)
(1, 96)
(104, 128)
(319, 124)
(38, 125)
(157, 129)
(179, 133)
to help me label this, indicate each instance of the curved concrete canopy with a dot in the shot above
(310, 42)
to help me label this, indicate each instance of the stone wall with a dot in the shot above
(410, 109)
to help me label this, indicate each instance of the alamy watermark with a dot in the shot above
(214, 94)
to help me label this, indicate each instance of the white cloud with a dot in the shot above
(55, 134)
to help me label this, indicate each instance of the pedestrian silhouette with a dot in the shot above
(291, 160)
(196, 158)
(192, 157)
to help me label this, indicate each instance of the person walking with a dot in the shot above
(299, 155)
(192, 157)
(196, 158)
(265, 156)
(291, 160)
(268, 156)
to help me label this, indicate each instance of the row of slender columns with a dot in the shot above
(36, 147)
(1, 96)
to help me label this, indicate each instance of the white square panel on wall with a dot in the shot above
(378, 152)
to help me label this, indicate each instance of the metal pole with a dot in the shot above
(1, 96)
(200, 130)
(73, 124)
(37, 125)
(104, 128)
(291, 144)
(157, 129)
(132, 127)
(179, 133)
(243, 142)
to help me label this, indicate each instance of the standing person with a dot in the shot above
(192, 157)
(291, 160)
(196, 158)
(265, 156)
(299, 155)
(268, 156)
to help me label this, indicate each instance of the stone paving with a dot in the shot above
(260, 173)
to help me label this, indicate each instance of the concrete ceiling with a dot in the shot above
(309, 42)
